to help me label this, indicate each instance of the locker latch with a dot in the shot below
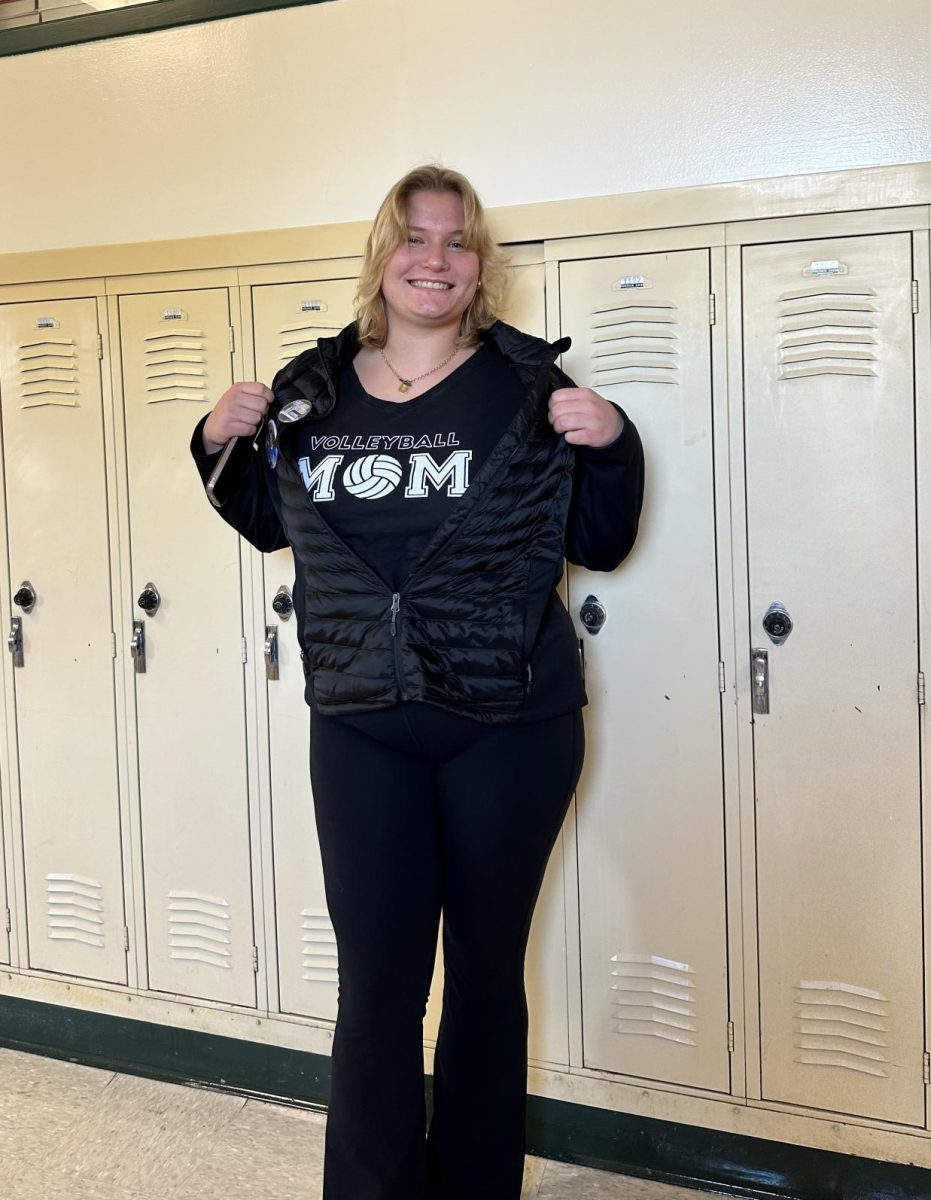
(271, 651)
(137, 647)
(760, 661)
(15, 641)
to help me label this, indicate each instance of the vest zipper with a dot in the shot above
(395, 610)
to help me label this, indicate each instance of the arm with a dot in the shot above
(607, 486)
(607, 496)
(249, 506)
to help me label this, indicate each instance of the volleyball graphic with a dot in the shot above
(372, 477)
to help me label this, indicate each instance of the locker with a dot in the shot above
(190, 698)
(650, 806)
(4, 895)
(287, 319)
(63, 691)
(829, 412)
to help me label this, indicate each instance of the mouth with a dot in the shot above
(431, 284)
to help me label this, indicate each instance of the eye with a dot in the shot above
(456, 244)
(413, 240)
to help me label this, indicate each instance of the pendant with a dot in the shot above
(405, 385)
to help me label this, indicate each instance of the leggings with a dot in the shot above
(420, 811)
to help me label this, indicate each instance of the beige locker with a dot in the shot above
(651, 848)
(63, 691)
(829, 415)
(287, 319)
(190, 700)
(4, 901)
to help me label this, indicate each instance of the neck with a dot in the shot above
(420, 349)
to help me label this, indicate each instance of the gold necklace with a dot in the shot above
(404, 385)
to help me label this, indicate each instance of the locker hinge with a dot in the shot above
(245, 650)
(712, 309)
(232, 340)
(255, 959)
(730, 1037)
(100, 346)
(921, 687)
(926, 1060)
(125, 937)
(112, 644)
(8, 921)
(721, 686)
(914, 295)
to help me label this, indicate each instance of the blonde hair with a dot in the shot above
(389, 231)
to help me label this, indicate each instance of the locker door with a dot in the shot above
(190, 702)
(650, 808)
(288, 319)
(4, 901)
(830, 445)
(547, 967)
(56, 498)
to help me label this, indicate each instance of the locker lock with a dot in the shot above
(149, 600)
(25, 597)
(593, 614)
(777, 623)
(282, 603)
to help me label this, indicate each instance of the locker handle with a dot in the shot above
(760, 661)
(15, 641)
(137, 647)
(271, 651)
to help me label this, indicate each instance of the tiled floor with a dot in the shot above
(69, 1132)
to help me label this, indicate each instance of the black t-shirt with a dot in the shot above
(385, 475)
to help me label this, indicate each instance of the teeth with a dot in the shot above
(427, 283)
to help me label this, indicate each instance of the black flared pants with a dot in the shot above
(419, 811)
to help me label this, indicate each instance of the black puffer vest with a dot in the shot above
(460, 632)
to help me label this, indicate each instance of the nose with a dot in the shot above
(435, 256)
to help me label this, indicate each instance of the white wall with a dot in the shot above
(305, 115)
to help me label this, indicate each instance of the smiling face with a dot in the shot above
(429, 281)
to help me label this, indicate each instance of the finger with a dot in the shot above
(570, 393)
(254, 388)
(569, 421)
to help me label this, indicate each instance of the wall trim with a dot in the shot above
(94, 27)
(900, 187)
(663, 1151)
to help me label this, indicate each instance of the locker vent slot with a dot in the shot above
(295, 339)
(75, 909)
(318, 946)
(635, 342)
(175, 365)
(841, 1025)
(199, 929)
(48, 371)
(827, 331)
(654, 997)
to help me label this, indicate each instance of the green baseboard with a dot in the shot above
(664, 1151)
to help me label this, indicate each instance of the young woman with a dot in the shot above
(431, 467)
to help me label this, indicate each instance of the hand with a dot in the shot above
(584, 418)
(238, 413)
